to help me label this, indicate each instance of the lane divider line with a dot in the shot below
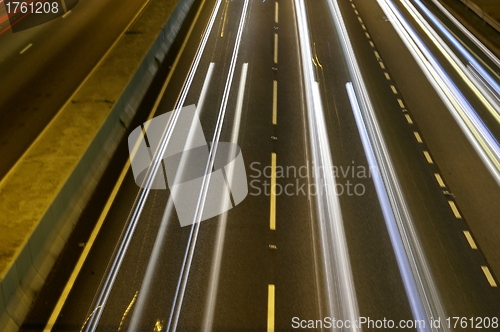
(488, 275)
(455, 210)
(372, 44)
(469, 238)
(76, 271)
(272, 218)
(428, 157)
(270, 307)
(275, 102)
(387, 76)
(276, 12)
(67, 14)
(439, 180)
(417, 137)
(400, 102)
(393, 88)
(381, 65)
(275, 48)
(367, 35)
(26, 48)
(408, 118)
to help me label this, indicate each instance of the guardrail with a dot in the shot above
(26, 274)
(479, 12)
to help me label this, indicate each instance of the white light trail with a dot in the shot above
(466, 117)
(181, 287)
(134, 215)
(427, 304)
(341, 295)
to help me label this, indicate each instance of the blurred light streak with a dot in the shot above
(181, 288)
(222, 223)
(114, 266)
(473, 127)
(428, 303)
(383, 193)
(450, 55)
(167, 214)
(341, 295)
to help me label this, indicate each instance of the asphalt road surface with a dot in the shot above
(34, 85)
(272, 78)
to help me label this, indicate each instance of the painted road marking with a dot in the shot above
(367, 35)
(276, 12)
(363, 26)
(272, 219)
(387, 76)
(270, 308)
(353, 6)
(393, 88)
(488, 275)
(455, 210)
(400, 102)
(26, 48)
(356, 12)
(275, 102)
(275, 48)
(408, 118)
(67, 14)
(381, 65)
(376, 54)
(372, 44)
(470, 240)
(428, 157)
(439, 180)
(417, 136)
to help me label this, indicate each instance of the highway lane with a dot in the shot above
(248, 263)
(35, 85)
(461, 283)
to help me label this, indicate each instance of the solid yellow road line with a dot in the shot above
(470, 240)
(272, 218)
(488, 275)
(270, 309)
(275, 102)
(455, 210)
